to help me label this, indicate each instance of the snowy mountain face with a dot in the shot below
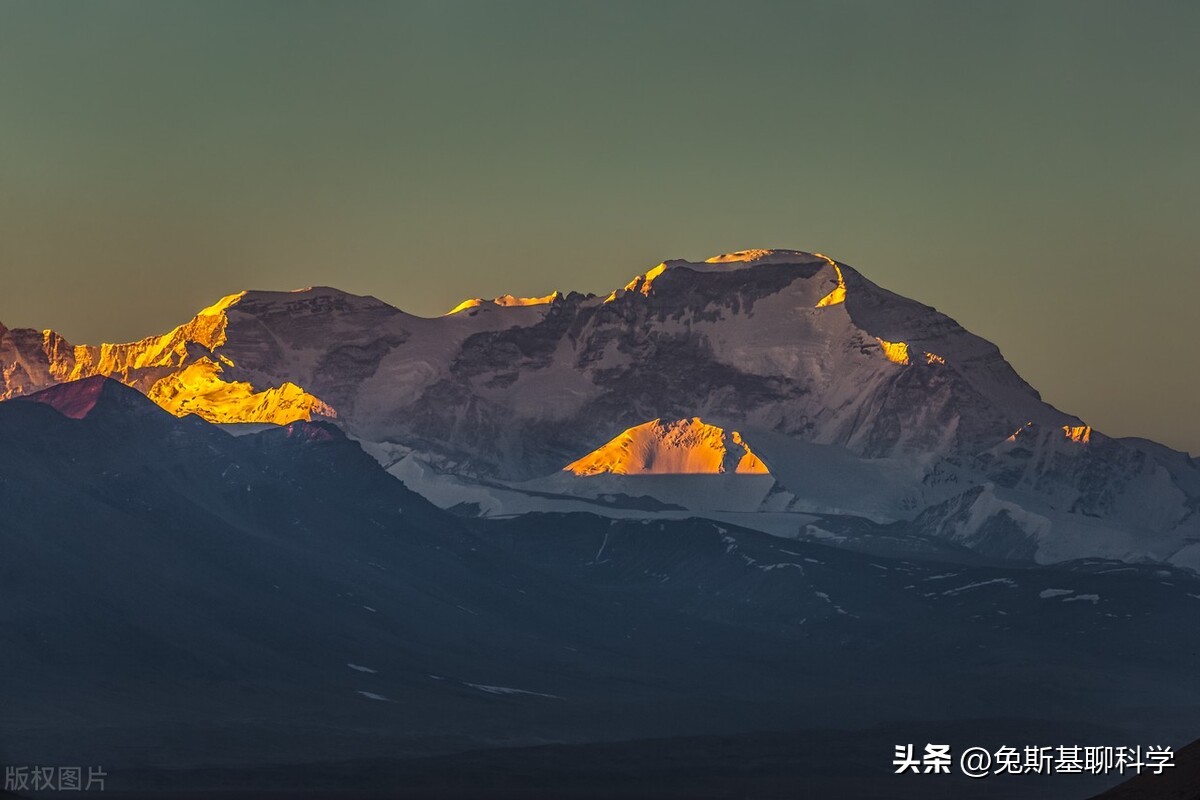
(855, 400)
(684, 447)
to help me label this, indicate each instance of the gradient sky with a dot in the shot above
(1031, 169)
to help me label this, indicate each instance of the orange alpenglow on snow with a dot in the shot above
(504, 301)
(683, 447)
(1078, 433)
(934, 358)
(896, 352)
(198, 389)
(838, 295)
(1019, 431)
(166, 369)
(739, 256)
(643, 283)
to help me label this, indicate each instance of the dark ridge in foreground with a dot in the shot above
(187, 608)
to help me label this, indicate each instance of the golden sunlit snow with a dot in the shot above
(1078, 433)
(838, 295)
(166, 370)
(896, 352)
(683, 447)
(504, 300)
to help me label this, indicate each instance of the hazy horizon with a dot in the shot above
(1029, 170)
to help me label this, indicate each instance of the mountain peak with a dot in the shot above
(681, 447)
(759, 256)
(504, 301)
(308, 300)
(222, 304)
(728, 262)
(78, 399)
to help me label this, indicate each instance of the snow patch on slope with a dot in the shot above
(683, 447)
(504, 301)
(741, 259)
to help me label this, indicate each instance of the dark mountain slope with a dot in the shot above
(178, 597)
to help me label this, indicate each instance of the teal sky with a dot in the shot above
(1031, 169)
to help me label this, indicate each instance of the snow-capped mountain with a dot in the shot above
(683, 447)
(855, 400)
